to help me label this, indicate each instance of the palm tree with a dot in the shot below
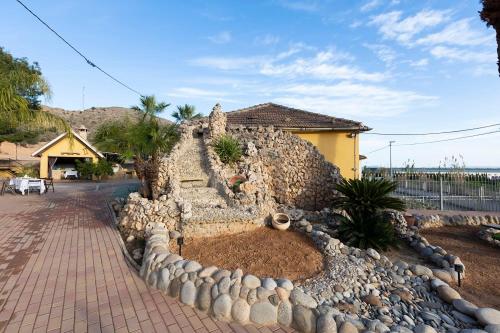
(145, 141)
(20, 86)
(186, 112)
(491, 15)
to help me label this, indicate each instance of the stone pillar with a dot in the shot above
(217, 122)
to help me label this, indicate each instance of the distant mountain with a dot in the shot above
(95, 116)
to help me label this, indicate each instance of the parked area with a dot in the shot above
(62, 269)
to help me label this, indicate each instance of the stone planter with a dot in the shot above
(281, 221)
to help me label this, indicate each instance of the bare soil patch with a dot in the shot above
(482, 262)
(264, 252)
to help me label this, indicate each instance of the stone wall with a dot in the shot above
(424, 221)
(285, 168)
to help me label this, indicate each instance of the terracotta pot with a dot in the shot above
(280, 221)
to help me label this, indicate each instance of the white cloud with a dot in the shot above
(383, 52)
(458, 33)
(325, 65)
(222, 37)
(228, 63)
(370, 5)
(462, 55)
(267, 39)
(392, 26)
(419, 63)
(356, 24)
(352, 99)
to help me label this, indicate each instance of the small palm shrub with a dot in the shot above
(496, 236)
(367, 231)
(228, 149)
(364, 201)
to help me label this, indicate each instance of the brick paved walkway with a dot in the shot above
(62, 270)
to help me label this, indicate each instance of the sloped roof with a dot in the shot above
(271, 114)
(60, 137)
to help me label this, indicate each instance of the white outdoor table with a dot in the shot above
(24, 184)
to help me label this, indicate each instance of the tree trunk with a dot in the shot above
(153, 169)
(139, 166)
(497, 28)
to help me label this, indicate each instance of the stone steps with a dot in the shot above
(203, 197)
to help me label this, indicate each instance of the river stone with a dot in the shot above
(492, 328)
(224, 284)
(285, 313)
(421, 270)
(192, 266)
(204, 297)
(188, 293)
(208, 271)
(448, 294)
(282, 293)
(222, 307)
(464, 306)
(263, 313)
(443, 275)
(298, 297)
(422, 328)
(251, 281)
(372, 300)
(171, 258)
(463, 317)
(252, 296)
(348, 327)
(269, 283)
(326, 324)
(220, 274)
(240, 311)
(304, 319)
(372, 253)
(164, 279)
(235, 290)
(488, 316)
(285, 284)
(174, 288)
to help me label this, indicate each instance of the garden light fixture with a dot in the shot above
(459, 269)
(180, 242)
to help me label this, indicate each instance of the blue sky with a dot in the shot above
(395, 65)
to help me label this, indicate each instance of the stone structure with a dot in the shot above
(487, 235)
(360, 291)
(440, 220)
(217, 122)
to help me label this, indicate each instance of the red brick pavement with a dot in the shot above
(62, 270)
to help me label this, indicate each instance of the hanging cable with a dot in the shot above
(433, 133)
(78, 52)
(445, 140)
(376, 150)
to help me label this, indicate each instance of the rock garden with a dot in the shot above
(219, 191)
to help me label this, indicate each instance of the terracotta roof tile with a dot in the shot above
(270, 114)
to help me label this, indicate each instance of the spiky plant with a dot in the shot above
(228, 149)
(186, 112)
(491, 15)
(364, 201)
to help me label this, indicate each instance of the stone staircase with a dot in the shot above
(210, 212)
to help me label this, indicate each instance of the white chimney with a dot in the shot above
(82, 131)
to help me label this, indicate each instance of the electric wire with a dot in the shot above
(433, 133)
(78, 52)
(445, 140)
(376, 150)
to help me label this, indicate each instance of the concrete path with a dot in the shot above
(62, 270)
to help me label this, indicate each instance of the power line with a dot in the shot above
(450, 139)
(433, 133)
(376, 150)
(78, 52)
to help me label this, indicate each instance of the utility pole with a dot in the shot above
(390, 157)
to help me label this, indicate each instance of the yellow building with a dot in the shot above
(336, 138)
(59, 156)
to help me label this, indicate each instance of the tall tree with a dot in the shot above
(146, 141)
(21, 87)
(186, 112)
(491, 15)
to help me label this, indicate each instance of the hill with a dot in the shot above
(95, 116)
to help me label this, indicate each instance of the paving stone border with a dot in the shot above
(245, 298)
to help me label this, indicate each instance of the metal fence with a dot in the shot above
(448, 191)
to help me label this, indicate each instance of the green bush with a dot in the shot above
(103, 168)
(496, 236)
(87, 169)
(364, 201)
(365, 231)
(228, 149)
(29, 170)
